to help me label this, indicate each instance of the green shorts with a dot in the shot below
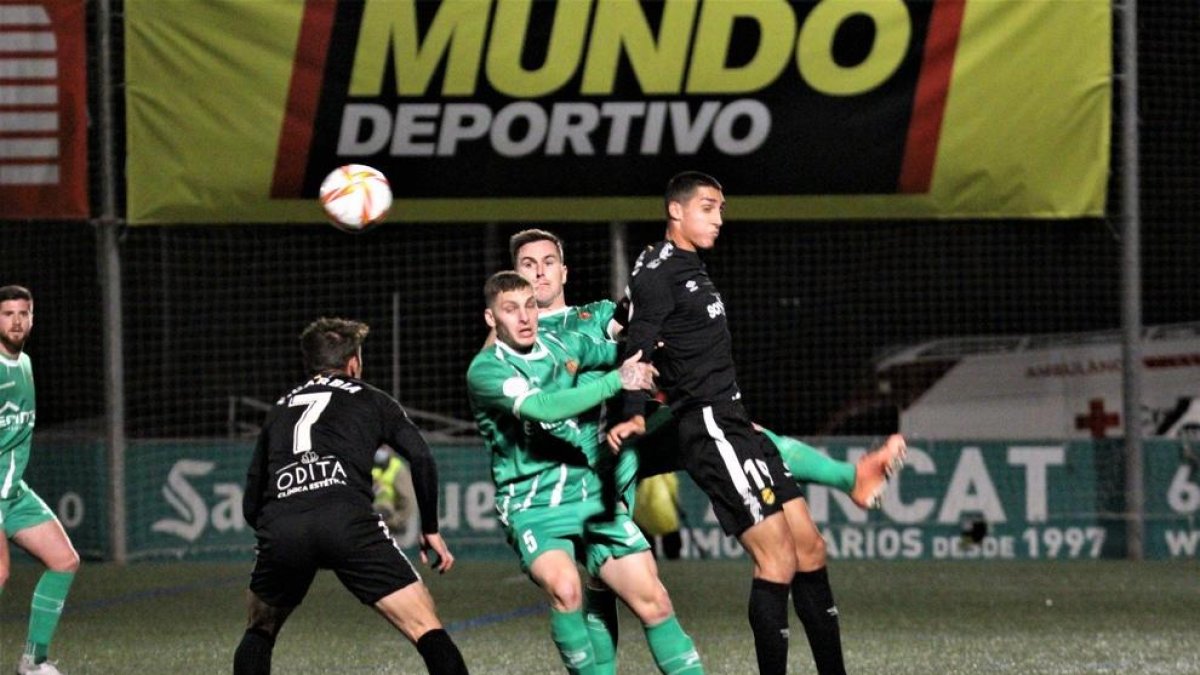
(23, 511)
(533, 532)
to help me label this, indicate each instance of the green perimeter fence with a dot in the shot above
(1039, 500)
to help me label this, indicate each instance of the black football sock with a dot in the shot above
(769, 623)
(253, 655)
(813, 599)
(441, 654)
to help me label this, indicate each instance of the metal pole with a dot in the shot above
(109, 267)
(1131, 285)
(396, 345)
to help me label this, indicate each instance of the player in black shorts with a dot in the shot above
(678, 317)
(309, 499)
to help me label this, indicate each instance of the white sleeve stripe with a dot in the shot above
(521, 399)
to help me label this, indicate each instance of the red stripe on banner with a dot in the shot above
(43, 121)
(304, 94)
(929, 104)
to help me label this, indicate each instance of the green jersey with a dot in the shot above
(17, 415)
(592, 320)
(595, 320)
(527, 407)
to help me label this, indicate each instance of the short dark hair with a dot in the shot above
(529, 236)
(15, 292)
(328, 344)
(503, 282)
(682, 185)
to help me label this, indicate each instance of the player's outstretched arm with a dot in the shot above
(553, 406)
(406, 439)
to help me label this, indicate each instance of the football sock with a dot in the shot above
(769, 623)
(441, 654)
(253, 655)
(570, 634)
(813, 599)
(673, 650)
(811, 465)
(44, 611)
(600, 611)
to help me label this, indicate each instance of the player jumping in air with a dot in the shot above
(675, 304)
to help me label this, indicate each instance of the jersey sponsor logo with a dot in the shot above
(570, 425)
(572, 366)
(309, 474)
(692, 286)
(12, 416)
(715, 309)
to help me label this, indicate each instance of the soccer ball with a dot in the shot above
(355, 196)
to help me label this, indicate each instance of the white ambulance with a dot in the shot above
(1032, 386)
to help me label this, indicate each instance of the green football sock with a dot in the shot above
(812, 466)
(673, 650)
(600, 610)
(48, 598)
(570, 633)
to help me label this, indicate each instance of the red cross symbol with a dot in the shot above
(1096, 420)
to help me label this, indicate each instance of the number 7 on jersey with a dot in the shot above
(314, 404)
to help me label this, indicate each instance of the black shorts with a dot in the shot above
(349, 540)
(658, 451)
(738, 467)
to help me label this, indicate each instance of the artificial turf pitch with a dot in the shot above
(897, 617)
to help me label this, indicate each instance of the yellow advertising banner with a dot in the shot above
(579, 110)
